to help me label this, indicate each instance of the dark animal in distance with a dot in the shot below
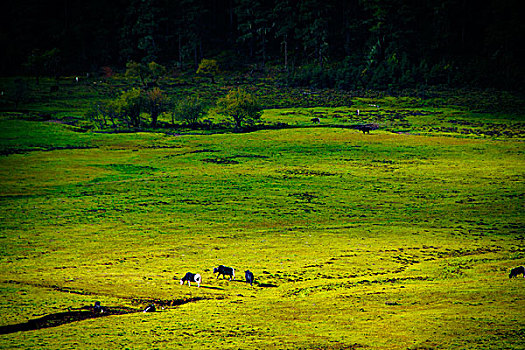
(316, 120)
(225, 271)
(97, 307)
(191, 277)
(249, 277)
(520, 270)
(366, 129)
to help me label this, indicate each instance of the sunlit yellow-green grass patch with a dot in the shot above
(382, 241)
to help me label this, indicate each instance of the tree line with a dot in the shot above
(137, 108)
(325, 43)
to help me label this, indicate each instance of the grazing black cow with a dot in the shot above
(224, 271)
(366, 129)
(520, 270)
(249, 277)
(316, 120)
(191, 277)
(150, 308)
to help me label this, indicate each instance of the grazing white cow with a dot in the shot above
(191, 277)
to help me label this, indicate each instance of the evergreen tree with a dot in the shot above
(436, 41)
(313, 28)
(191, 30)
(285, 21)
(140, 31)
(254, 25)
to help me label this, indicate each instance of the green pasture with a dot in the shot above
(398, 239)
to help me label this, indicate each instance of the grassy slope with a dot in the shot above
(383, 240)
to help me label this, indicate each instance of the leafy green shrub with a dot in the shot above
(241, 106)
(129, 108)
(94, 114)
(189, 110)
(157, 103)
(130, 105)
(208, 68)
(151, 71)
(20, 92)
(156, 71)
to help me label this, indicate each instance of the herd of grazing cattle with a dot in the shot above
(221, 270)
(248, 275)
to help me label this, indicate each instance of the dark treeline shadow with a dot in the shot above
(58, 319)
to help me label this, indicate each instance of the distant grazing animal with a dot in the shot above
(249, 277)
(150, 308)
(520, 270)
(316, 120)
(97, 307)
(224, 271)
(366, 129)
(191, 277)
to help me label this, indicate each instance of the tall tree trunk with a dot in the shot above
(200, 51)
(285, 54)
(180, 53)
(196, 64)
(264, 49)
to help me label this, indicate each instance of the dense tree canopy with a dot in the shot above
(401, 41)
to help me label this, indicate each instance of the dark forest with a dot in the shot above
(344, 44)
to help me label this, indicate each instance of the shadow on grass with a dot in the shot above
(58, 319)
(256, 283)
(87, 312)
(214, 288)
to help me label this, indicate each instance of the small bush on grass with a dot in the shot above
(148, 74)
(241, 106)
(102, 114)
(130, 105)
(157, 103)
(189, 110)
(208, 68)
(130, 109)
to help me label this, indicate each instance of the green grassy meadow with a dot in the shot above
(398, 239)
